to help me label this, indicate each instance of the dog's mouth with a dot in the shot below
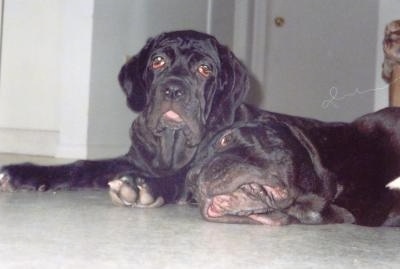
(172, 120)
(247, 199)
(238, 207)
(241, 193)
(238, 203)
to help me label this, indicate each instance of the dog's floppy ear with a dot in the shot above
(132, 78)
(232, 86)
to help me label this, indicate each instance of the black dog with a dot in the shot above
(270, 172)
(187, 87)
(265, 172)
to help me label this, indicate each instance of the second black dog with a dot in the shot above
(279, 171)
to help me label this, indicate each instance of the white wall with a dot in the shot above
(75, 54)
(109, 118)
(1, 27)
(29, 89)
(28, 66)
(45, 77)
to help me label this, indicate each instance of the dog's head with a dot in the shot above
(245, 169)
(254, 169)
(184, 81)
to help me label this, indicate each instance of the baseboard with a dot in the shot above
(106, 151)
(32, 142)
(71, 151)
(46, 143)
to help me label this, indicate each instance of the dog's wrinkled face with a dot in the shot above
(246, 170)
(179, 76)
(185, 85)
(263, 173)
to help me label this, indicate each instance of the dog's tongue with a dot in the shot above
(172, 116)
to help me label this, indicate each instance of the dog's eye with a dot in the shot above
(225, 140)
(204, 70)
(158, 62)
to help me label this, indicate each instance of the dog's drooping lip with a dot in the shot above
(172, 120)
(221, 205)
(218, 207)
(169, 119)
(244, 200)
(214, 211)
(173, 116)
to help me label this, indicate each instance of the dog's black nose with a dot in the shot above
(174, 92)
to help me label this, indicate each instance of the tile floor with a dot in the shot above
(83, 229)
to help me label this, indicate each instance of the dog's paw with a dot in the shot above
(126, 191)
(21, 177)
(6, 182)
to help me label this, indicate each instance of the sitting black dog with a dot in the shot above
(279, 171)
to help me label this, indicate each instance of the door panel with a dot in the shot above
(321, 61)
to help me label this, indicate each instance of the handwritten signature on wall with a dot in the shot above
(335, 97)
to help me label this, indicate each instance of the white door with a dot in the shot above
(320, 58)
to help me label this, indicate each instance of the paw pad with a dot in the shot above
(124, 191)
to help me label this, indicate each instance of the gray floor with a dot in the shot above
(84, 230)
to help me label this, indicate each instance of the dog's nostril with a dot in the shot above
(179, 93)
(173, 92)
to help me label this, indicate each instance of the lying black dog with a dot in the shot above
(187, 87)
(273, 172)
(268, 173)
